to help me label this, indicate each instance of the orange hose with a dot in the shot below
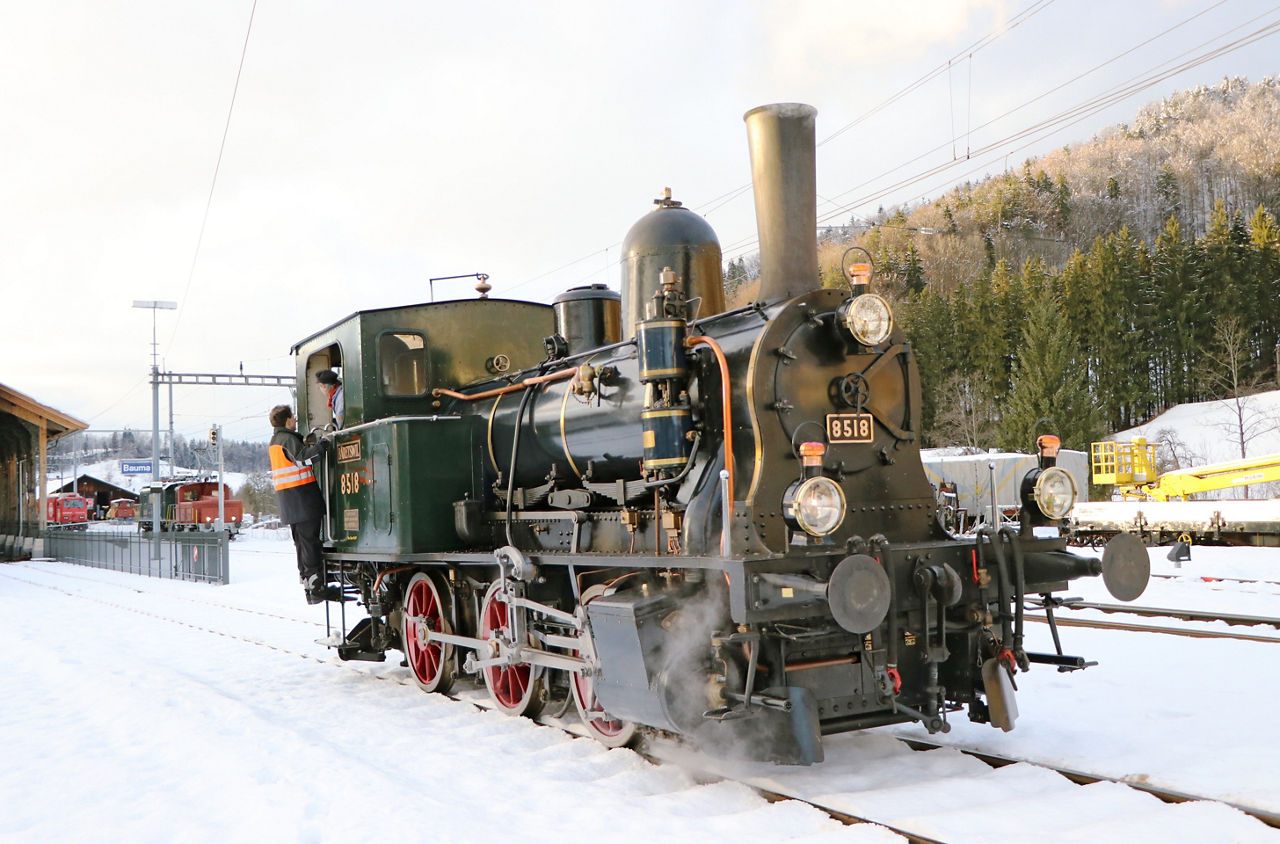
(510, 388)
(703, 340)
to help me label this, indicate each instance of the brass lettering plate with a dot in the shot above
(349, 451)
(850, 428)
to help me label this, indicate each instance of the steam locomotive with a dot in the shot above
(688, 520)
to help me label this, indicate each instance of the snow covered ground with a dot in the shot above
(152, 710)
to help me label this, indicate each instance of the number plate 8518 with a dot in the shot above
(850, 428)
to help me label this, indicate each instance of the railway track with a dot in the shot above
(657, 750)
(1168, 795)
(1204, 578)
(1232, 619)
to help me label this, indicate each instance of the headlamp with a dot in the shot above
(1055, 492)
(815, 505)
(868, 318)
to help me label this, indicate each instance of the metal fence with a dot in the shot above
(183, 556)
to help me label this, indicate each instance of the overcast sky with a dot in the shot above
(373, 146)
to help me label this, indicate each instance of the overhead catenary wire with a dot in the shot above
(967, 52)
(1035, 131)
(1075, 114)
(724, 199)
(1073, 80)
(122, 398)
(710, 206)
(217, 167)
(986, 40)
(1041, 129)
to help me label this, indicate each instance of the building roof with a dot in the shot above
(57, 423)
(70, 485)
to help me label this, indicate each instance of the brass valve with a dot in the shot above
(584, 383)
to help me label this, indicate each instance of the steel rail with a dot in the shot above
(1234, 619)
(1189, 632)
(1168, 795)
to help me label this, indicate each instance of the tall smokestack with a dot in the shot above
(784, 178)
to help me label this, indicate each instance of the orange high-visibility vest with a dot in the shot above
(286, 474)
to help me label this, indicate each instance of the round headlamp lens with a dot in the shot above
(1055, 492)
(816, 505)
(868, 318)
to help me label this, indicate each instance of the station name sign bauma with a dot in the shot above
(135, 467)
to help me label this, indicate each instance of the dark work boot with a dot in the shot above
(319, 591)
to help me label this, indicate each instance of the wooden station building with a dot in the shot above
(27, 428)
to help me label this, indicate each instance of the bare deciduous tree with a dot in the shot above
(1225, 373)
(965, 414)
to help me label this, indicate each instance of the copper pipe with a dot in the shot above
(727, 422)
(378, 580)
(510, 388)
(823, 663)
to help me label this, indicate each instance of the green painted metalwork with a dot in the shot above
(391, 493)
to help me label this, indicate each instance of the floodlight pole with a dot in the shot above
(154, 306)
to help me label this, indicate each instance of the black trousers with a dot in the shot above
(306, 541)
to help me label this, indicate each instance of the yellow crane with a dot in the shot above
(1131, 468)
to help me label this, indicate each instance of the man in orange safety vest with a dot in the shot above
(298, 494)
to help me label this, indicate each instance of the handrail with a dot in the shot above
(510, 388)
(725, 396)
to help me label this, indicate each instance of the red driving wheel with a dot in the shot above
(430, 661)
(516, 689)
(609, 731)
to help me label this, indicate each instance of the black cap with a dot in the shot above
(328, 376)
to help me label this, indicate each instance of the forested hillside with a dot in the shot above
(1098, 285)
(83, 449)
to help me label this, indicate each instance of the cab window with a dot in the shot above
(317, 400)
(402, 358)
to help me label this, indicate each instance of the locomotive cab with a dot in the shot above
(389, 488)
(391, 358)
